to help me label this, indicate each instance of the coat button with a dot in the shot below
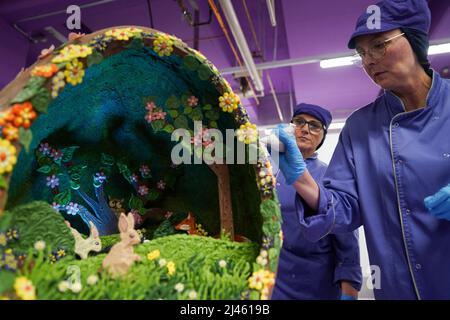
(408, 212)
(418, 266)
(396, 125)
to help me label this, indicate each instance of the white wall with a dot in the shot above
(325, 154)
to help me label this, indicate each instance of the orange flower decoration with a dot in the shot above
(6, 117)
(10, 132)
(24, 114)
(45, 71)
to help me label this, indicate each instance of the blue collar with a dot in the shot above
(313, 156)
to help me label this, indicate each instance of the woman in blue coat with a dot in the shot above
(329, 268)
(391, 169)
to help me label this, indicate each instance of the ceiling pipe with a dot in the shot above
(233, 49)
(275, 98)
(230, 15)
(55, 33)
(271, 8)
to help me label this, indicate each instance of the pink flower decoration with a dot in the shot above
(168, 214)
(192, 101)
(143, 190)
(196, 140)
(203, 138)
(149, 117)
(56, 154)
(150, 106)
(144, 170)
(161, 185)
(159, 115)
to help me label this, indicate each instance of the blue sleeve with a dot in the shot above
(348, 268)
(338, 210)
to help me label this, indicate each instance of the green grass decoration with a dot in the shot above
(197, 268)
(37, 221)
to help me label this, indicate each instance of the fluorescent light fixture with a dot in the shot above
(337, 62)
(350, 60)
(439, 49)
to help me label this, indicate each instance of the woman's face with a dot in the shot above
(307, 140)
(397, 65)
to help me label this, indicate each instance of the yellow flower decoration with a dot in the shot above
(163, 45)
(123, 33)
(170, 268)
(261, 279)
(72, 51)
(24, 289)
(247, 133)
(256, 281)
(61, 253)
(200, 230)
(229, 101)
(135, 30)
(3, 239)
(74, 72)
(7, 156)
(58, 83)
(153, 255)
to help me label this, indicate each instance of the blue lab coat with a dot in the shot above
(386, 162)
(310, 270)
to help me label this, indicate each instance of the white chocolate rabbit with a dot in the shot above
(121, 257)
(84, 246)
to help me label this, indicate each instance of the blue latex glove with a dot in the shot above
(347, 297)
(439, 203)
(291, 161)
